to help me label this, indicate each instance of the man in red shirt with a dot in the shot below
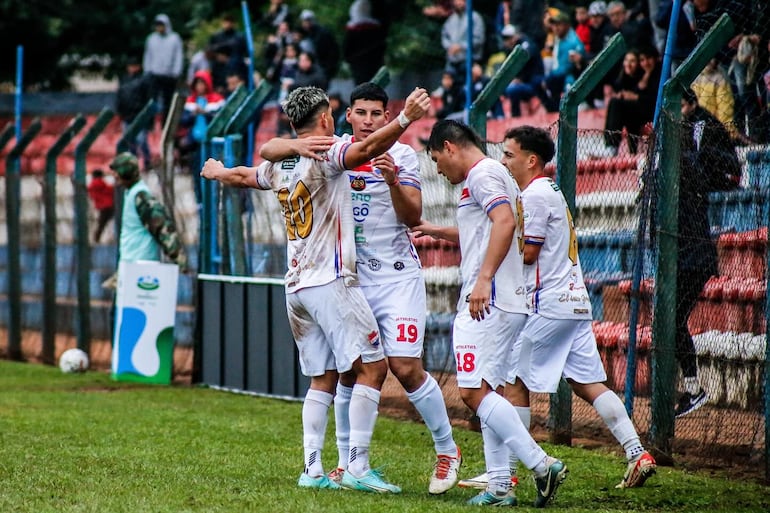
(101, 193)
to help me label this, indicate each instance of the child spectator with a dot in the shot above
(102, 193)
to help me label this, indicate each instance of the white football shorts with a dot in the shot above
(400, 312)
(482, 348)
(548, 349)
(332, 326)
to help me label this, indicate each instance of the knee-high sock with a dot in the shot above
(496, 459)
(342, 423)
(315, 411)
(502, 418)
(525, 415)
(610, 409)
(430, 404)
(363, 414)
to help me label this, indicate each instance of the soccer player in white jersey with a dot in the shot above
(558, 339)
(492, 306)
(387, 200)
(332, 325)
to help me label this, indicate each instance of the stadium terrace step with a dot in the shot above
(742, 253)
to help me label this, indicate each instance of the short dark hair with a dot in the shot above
(97, 173)
(369, 91)
(533, 139)
(455, 132)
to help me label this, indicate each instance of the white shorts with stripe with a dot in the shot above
(332, 326)
(482, 348)
(548, 349)
(400, 312)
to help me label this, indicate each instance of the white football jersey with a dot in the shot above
(487, 186)
(555, 287)
(384, 250)
(315, 200)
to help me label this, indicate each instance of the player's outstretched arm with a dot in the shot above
(239, 176)
(426, 228)
(417, 105)
(279, 148)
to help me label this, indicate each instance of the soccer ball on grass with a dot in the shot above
(73, 360)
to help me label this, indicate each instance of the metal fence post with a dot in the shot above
(12, 205)
(82, 242)
(477, 116)
(49, 238)
(663, 348)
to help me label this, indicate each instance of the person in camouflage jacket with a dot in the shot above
(147, 227)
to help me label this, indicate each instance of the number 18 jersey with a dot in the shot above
(315, 199)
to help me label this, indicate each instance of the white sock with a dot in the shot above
(429, 402)
(525, 414)
(691, 385)
(502, 418)
(315, 411)
(610, 409)
(342, 423)
(495, 457)
(364, 402)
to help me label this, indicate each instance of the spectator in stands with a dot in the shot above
(685, 30)
(439, 9)
(525, 15)
(200, 61)
(526, 83)
(601, 30)
(231, 49)
(325, 46)
(102, 193)
(454, 37)
(275, 50)
(706, 152)
(163, 59)
(583, 26)
(134, 91)
(479, 81)
(199, 109)
(712, 87)
(568, 49)
(147, 228)
(623, 109)
(452, 95)
(288, 71)
(277, 13)
(339, 110)
(363, 46)
(309, 73)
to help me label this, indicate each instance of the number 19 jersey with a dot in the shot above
(316, 204)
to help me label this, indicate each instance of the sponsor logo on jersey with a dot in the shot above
(398, 266)
(289, 163)
(358, 183)
(374, 264)
(465, 194)
(294, 262)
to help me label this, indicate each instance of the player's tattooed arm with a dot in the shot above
(426, 228)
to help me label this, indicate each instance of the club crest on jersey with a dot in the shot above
(374, 264)
(358, 183)
(398, 266)
(374, 338)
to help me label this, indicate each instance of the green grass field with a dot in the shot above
(83, 443)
